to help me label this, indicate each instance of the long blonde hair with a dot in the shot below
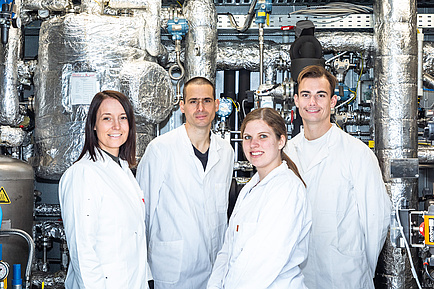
(273, 119)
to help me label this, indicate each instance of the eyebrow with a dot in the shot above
(307, 91)
(196, 98)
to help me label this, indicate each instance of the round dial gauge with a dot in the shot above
(4, 270)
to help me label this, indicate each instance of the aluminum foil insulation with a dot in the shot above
(9, 56)
(346, 41)
(150, 10)
(395, 119)
(49, 229)
(92, 7)
(236, 55)
(11, 136)
(428, 57)
(201, 39)
(26, 71)
(51, 5)
(104, 45)
(138, 81)
(51, 280)
(425, 155)
(48, 210)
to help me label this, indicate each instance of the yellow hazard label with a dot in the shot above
(4, 198)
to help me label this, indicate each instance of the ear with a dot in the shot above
(181, 105)
(333, 101)
(296, 100)
(282, 141)
(217, 103)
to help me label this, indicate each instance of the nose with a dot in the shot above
(254, 143)
(116, 123)
(312, 100)
(199, 105)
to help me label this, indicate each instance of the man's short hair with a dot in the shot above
(198, 80)
(316, 71)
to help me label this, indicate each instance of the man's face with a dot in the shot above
(315, 101)
(199, 105)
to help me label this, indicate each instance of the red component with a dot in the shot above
(422, 229)
(292, 116)
(287, 27)
(21, 126)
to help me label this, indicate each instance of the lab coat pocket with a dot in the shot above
(244, 233)
(115, 275)
(352, 267)
(165, 259)
(222, 195)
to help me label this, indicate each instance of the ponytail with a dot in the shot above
(292, 166)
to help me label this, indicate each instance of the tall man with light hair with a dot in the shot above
(185, 175)
(350, 205)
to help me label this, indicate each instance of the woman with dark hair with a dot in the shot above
(268, 232)
(102, 205)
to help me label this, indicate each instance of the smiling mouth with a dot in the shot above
(115, 135)
(256, 153)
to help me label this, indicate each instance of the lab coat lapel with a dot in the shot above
(199, 167)
(213, 154)
(124, 185)
(317, 159)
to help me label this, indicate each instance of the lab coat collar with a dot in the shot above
(213, 155)
(255, 179)
(323, 153)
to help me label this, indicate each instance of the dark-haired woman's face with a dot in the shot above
(111, 126)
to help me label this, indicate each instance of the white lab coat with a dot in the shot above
(186, 208)
(268, 234)
(104, 218)
(351, 212)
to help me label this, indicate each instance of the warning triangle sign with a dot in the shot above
(4, 198)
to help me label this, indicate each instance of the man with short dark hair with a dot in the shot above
(185, 176)
(350, 205)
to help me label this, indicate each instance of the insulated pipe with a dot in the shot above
(395, 119)
(428, 80)
(201, 39)
(9, 56)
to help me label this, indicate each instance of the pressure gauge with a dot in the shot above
(225, 108)
(4, 270)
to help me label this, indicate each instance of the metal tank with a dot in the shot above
(16, 201)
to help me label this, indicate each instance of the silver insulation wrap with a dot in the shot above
(425, 154)
(395, 112)
(346, 41)
(89, 45)
(49, 229)
(51, 5)
(52, 210)
(11, 136)
(9, 55)
(139, 81)
(201, 39)
(235, 55)
(428, 57)
(52, 281)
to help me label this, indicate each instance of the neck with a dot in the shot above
(313, 131)
(200, 138)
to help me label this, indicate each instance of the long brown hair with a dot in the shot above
(273, 119)
(127, 151)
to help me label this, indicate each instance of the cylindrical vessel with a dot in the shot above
(16, 201)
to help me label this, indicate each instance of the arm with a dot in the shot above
(80, 204)
(219, 268)
(282, 224)
(150, 176)
(373, 204)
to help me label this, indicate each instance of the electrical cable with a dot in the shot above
(401, 230)
(247, 21)
(357, 86)
(425, 266)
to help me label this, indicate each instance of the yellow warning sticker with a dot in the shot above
(4, 198)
